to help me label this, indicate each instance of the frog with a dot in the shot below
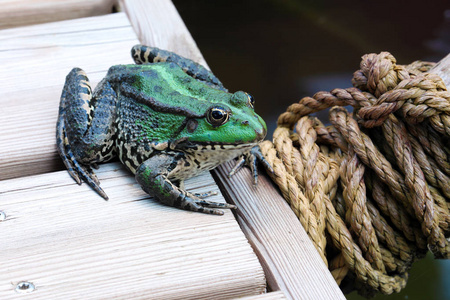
(166, 118)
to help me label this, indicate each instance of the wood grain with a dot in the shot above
(278, 295)
(69, 242)
(15, 13)
(35, 61)
(442, 68)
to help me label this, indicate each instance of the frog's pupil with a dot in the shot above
(217, 114)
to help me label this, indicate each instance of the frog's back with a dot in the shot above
(166, 82)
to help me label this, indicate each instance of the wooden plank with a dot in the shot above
(35, 61)
(15, 13)
(290, 260)
(442, 68)
(278, 295)
(70, 243)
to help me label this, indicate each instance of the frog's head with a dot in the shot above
(228, 119)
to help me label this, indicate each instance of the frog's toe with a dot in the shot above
(94, 185)
(239, 164)
(211, 211)
(88, 170)
(206, 210)
(73, 174)
(211, 204)
(88, 176)
(205, 195)
(258, 157)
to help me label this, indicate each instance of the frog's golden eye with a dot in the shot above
(217, 116)
(250, 100)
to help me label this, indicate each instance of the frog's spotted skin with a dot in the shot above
(166, 121)
(207, 157)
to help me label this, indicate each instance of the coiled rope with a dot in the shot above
(373, 189)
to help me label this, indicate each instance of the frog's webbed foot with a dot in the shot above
(251, 158)
(152, 175)
(194, 203)
(76, 170)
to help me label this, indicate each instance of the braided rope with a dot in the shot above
(376, 182)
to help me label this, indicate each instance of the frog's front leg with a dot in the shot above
(251, 158)
(153, 174)
(84, 127)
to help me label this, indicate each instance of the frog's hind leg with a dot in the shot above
(143, 54)
(82, 137)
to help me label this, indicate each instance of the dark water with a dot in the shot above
(283, 50)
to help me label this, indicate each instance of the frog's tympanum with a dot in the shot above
(166, 118)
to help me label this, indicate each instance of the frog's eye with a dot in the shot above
(217, 116)
(250, 100)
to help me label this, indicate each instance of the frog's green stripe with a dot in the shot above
(144, 54)
(158, 106)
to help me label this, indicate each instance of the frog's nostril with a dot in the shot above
(245, 122)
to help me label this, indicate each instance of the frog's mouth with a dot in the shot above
(186, 145)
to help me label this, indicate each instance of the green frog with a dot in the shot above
(166, 118)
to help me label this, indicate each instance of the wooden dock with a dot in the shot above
(66, 241)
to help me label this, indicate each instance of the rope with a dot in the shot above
(372, 190)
